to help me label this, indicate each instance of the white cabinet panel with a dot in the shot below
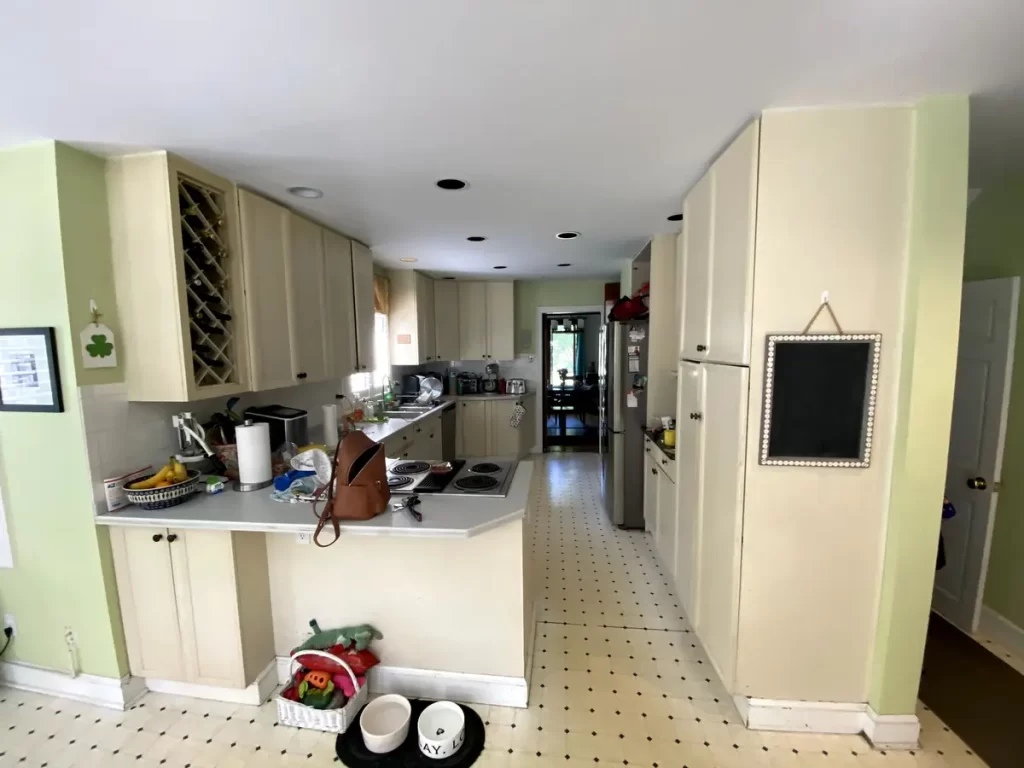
(503, 438)
(362, 291)
(473, 321)
(732, 263)
(723, 427)
(666, 535)
(425, 317)
(264, 241)
(304, 278)
(689, 488)
(446, 320)
(650, 487)
(501, 328)
(698, 215)
(340, 333)
(473, 426)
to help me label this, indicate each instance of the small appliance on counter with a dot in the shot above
(490, 379)
(515, 386)
(286, 424)
(411, 384)
(468, 384)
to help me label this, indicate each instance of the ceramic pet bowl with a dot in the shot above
(385, 723)
(441, 729)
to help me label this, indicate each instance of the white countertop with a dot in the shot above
(444, 516)
(380, 431)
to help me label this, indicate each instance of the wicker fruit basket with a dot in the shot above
(163, 498)
(298, 715)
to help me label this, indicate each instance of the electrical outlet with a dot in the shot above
(303, 538)
(69, 637)
(9, 622)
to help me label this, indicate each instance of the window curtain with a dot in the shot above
(381, 294)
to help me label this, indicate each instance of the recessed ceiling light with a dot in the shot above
(408, 260)
(476, 238)
(448, 278)
(312, 193)
(566, 264)
(676, 217)
(452, 184)
(567, 235)
(501, 267)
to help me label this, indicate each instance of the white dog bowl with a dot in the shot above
(385, 723)
(441, 729)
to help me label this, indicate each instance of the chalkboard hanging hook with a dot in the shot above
(824, 305)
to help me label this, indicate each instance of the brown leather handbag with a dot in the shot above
(358, 489)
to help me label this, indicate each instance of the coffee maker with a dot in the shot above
(489, 383)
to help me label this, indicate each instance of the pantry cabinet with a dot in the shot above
(174, 584)
(486, 321)
(362, 291)
(689, 487)
(411, 318)
(446, 320)
(178, 276)
(304, 282)
(340, 332)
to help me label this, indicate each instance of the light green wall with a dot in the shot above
(995, 248)
(925, 399)
(531, 294)
(58, 578)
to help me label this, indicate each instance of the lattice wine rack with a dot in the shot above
(207, 283)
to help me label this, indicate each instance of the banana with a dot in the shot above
(165, 474)
(180, 472)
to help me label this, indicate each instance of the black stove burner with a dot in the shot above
(410, 467)
(476, 483)
(398, 481)
(485, 468)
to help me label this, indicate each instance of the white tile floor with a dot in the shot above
(618, 678)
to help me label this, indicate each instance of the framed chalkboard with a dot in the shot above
(819, 399)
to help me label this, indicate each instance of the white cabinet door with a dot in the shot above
(404, 322)
(425, 317)
(362, 291)
(473, 321)
(650, 489)
(698, 215)
(689, 487)
(666, 536)
(305, 285)
(340, 333)
(473, 425)
(503, 438)
(723, 425)
(446, 320)
(732, 264)
(264, 235)
(145, 589)
(501, 326)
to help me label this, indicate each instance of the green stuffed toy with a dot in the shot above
(362, 635)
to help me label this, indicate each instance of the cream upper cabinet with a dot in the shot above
(264, 242)
(473, 425)
(425, 317)
(662, 352)
(732, 265)
(340, 330)
(178, 275)
(304, 279)
(501, 327)
(472, 321)
(698, 216)
(411, 318)
(446, 320)
(362, 290)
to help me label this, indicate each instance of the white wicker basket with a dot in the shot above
(298, 715)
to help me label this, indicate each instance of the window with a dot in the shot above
(381, 349)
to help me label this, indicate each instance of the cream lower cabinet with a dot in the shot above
(195, 604)
(472, 426)
(485, 430)
(665, 535)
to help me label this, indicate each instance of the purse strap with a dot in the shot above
(326, 515)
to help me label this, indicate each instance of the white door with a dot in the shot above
(473, 423)
(446, 320)
(472, 321)
(732, 268)
(666, 536)
(362, 291)
(306, 317)
(723, 427)
(501, 327)
(340, 334)
(699, 230)
(650, 490)
(984, 367)
(689, 488)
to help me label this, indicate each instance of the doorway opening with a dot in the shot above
(571, 353)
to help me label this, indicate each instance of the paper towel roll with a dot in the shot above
(330, 425)
(253, 442)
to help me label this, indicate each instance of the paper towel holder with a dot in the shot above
(238, 485)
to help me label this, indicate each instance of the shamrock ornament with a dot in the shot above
(100, 347)
(99, 350)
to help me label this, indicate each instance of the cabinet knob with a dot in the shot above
(702, 347)
(696, 416)
(977, 483)
(648, 450)
(664, 461)
(654, 470)
(158, 537)
(172, 537)
(418, 430)
(300, 375)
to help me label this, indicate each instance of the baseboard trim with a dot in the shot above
(110, 692)
(254, 694)
(437, 684)
(997, 627)
(883, 731)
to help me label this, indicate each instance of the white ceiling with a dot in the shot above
(591, 115)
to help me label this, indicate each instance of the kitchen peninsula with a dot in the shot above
(215, 593)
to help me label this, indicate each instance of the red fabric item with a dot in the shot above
(360, 661)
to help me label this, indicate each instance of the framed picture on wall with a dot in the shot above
(29, 375)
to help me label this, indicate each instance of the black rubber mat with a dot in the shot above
(975, 693)
(353, 752)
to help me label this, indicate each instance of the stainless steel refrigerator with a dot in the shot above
(623, 416)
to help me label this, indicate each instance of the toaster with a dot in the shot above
(515, 386)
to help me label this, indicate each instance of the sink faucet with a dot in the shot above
(387, 394)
